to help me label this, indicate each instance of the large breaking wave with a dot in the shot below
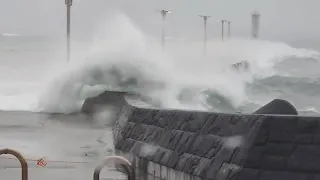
(123, 58)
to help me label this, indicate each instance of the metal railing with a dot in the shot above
(123, 162)
(23, 162)
(118, 160)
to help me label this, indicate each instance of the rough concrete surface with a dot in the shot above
(215, 146)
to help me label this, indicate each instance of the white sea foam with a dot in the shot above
(122, 46)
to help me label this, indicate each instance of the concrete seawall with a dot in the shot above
(176, 144)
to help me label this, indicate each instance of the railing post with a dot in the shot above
(23, 162)
(117, 160)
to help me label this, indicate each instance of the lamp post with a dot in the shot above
(164, 15)
(222, 28)
(255, 24)
(229, 28)
(205, 18)
(68, 5)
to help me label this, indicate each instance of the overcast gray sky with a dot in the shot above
(280, 19)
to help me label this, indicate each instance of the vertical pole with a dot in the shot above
(255, 24)
(163, 13)
(68, 4)
(252, 26)
(229, 29)
(222, 29)
(205, 19)
(205, 35)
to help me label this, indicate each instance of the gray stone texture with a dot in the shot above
(216, 146)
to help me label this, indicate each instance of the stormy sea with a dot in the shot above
(41, 94)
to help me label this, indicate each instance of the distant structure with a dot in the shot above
(255, 24)
(164, 15)
(205, 18)
(222, 28)
(68, 5)
(229, 29)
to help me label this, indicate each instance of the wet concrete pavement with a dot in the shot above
(72, 146)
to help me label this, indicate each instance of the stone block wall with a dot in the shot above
(173, 144)
(201, 144)
(286, 147)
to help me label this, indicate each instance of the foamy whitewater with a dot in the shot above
(35, 76)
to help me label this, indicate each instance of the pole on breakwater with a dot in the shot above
(205, 18)
(163, 36)
(222, 28)
(229, 29)
(68, 4)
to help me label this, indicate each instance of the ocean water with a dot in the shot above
(37, 81)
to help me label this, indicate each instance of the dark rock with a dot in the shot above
(278, 106)
(111, 98)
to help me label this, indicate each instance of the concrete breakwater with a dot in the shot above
(177, 144)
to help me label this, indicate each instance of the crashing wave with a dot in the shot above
(124, 58)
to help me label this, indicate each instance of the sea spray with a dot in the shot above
(123, 57)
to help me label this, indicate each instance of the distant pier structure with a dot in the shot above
(255, 24)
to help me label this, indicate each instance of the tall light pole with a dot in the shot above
(205, 18)
(229, 29)
(68, 4)
(255, 24)
(164, 15)
(222, 28)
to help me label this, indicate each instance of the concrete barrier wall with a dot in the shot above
(173, 144)
(200, 145)
(286, 147)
